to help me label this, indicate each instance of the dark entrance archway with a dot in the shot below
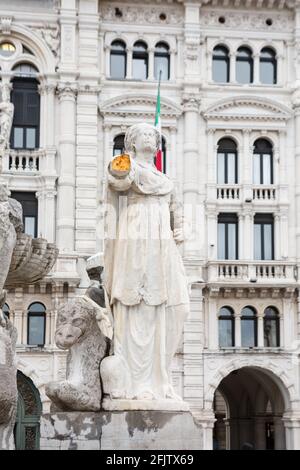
(248, 406)
(27, 427)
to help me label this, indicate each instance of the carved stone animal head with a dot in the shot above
(75, 321)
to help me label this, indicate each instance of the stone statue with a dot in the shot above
(8, 382)
(77, 330)
(144, 277)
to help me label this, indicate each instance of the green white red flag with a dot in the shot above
(158, 158)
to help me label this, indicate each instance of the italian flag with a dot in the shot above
(158, 158)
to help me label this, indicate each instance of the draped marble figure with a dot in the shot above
(143, 273)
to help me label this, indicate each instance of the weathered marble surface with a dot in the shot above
(8, 383)
(144, 276)
(77, 330)
(131, 430)
(23, 261)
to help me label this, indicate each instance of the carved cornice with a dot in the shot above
(138, 105)
(89, 90)
(239, 108)
(250, 20)
(141, 14)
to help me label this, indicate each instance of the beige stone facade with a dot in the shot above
(83, 109)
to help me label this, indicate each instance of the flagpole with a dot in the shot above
(158, 159)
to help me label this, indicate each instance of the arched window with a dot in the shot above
(36, 324)
(262, 162)
(118, 60)
(140, 61)
(227, 162)
(268, 66)
(118, 147)
(226, 327)
(6, 310)
(249, 327)
(221, 64)
(7, 49)
(271, 328)
(244, 65)
(162, 61)
(26, 100)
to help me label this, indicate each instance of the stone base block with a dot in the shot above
(120, 430)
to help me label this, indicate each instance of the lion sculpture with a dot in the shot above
(77, 330)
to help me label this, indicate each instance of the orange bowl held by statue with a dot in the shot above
(121, 163)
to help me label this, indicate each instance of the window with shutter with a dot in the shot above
(26, 123)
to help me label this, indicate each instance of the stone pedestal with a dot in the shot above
(120, 430)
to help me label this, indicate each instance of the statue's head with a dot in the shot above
(76, 319)
(142, 138)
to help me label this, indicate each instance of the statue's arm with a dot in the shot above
(120, 179)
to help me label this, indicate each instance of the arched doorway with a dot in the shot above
(27, 427)
(248, 406)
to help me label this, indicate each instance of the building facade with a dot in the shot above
(79, 73)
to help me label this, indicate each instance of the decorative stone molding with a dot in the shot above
(89, 90)
(191, 102)
(247, 108)
(67, 90)
(255, 4)
(51, 35)
(139, 106)
(5, 24)
(137, 15)
(282, 21)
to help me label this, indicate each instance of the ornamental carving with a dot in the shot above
(51, 35)
(141, 14)
(247, 21)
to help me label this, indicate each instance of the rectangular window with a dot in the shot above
(118, 66)
(140, 68)
(264, 237)
(36, 330)
(29, 205)
(26, 121)
(227, 236)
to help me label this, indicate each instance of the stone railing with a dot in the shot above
(23, 161)
(251, 271)
(228, 192)
(264, 193)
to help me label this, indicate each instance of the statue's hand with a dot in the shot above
(178, 235)
(120, 165)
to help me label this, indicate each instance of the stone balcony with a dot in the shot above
(259, 272)
(23, 161)
(240, 193)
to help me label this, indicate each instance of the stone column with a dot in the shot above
(190, 188)
(66, 182)
(107, 60)
(260, 329)
(129, 63)
(241, 235)
(256, 74)
(279, 432)
(248, 235)
(277, 243)
(172, 64)
(259, 432)
(212, 324)
(232, 67)
(247, 166)
(238, 332)
(171, 157)
(18, 323)
(151, 63)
